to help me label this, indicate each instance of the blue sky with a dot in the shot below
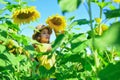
(50, 7)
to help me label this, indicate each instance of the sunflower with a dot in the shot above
(25, 15)
(117, 1)
(56, 22)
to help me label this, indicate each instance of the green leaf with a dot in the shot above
(44, 72)
(4, 57)
(25, 40)
(111, 72)
(12, 26)
(81, 21)
(78, 46)
(109, 38)
(2, 62)
(3, 27)
(69, 5)
(58, 41)
(112, 13)
(11, 6)
(78, 38)
(78, 42)
(71, 58)
(2, 48)
(71, 18)
(21, 39)
(3, 35)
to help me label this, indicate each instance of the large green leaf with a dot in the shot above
(58, 41)
(110, 38)
(12, 26)
(78, 42)
(21, 39)
(112, 13)
(71, 58)
(5, 63)
(69, 5)
(111, 72)
(78, 38)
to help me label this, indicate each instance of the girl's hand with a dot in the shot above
(49, 48)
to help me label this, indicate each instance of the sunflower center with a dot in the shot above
(56, 21)
(25, 15)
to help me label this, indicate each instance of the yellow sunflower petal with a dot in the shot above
(117, 1)
(25, 15)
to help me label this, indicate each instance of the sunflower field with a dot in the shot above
(90, 55)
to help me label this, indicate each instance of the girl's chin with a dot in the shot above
(44, 41)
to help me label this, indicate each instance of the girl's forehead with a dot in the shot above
(45, 29)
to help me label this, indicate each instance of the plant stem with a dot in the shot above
(100, 12)
(91, 25)
(93, 37)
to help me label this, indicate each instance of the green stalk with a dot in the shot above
(100, 12)
(93, 37)
(91, 25)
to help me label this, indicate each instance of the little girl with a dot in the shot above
(42, 35)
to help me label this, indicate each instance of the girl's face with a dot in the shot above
(44, 36)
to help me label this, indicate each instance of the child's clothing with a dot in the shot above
(44, 60)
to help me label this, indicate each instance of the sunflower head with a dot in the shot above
(56, 22)
(25, 15)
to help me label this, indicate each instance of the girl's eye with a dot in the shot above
(44, 33)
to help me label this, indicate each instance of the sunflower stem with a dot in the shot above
(94, 51)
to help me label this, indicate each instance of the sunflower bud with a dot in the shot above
(98, 20)
(100, 29)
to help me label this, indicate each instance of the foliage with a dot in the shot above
(79, 56)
